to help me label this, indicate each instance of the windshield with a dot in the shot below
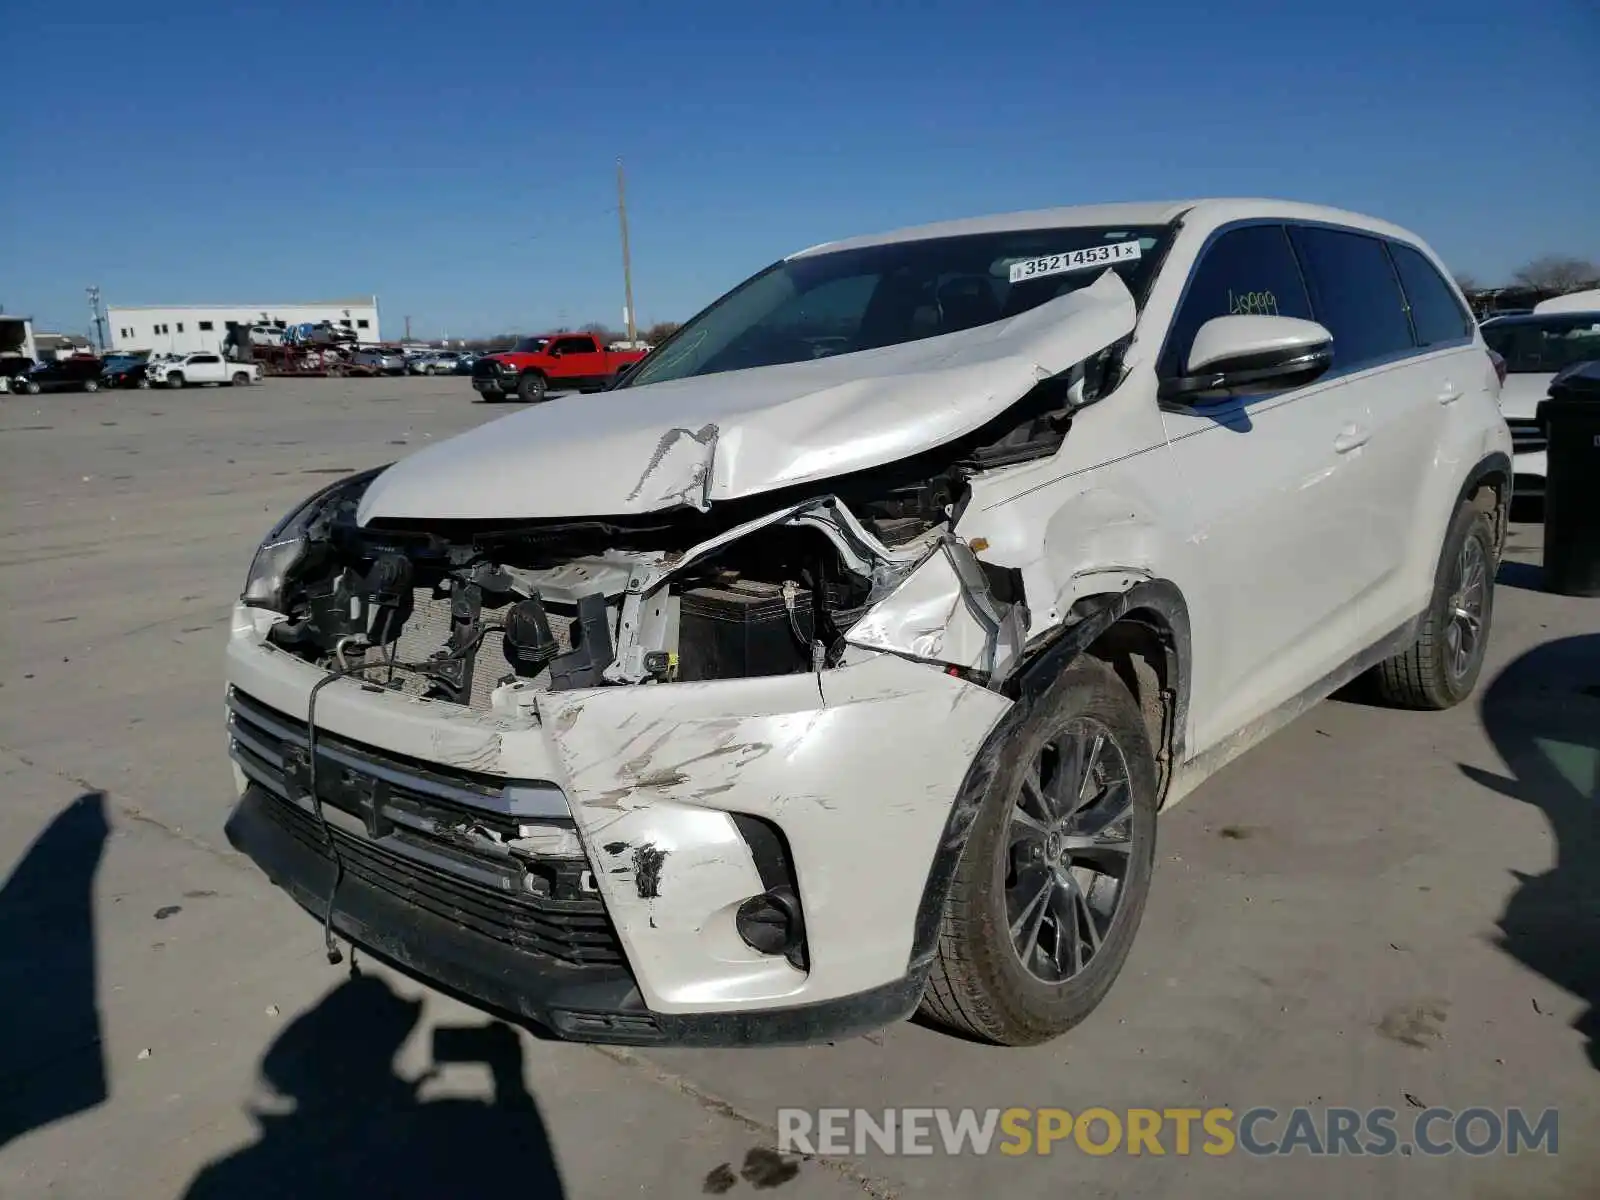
(1544, 345)
(844, 301)
(530, 345)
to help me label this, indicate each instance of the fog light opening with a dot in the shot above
(771, 922)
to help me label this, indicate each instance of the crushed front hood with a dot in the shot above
(718, 437)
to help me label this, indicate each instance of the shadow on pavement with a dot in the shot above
(1543, 715)
(51, 1065)
(1522, 575)
(353, 1127)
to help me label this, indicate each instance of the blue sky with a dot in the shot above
(459, 160)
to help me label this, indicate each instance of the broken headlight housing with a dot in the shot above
(289, 542)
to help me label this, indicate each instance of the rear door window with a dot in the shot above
(1355, 294)
(1246, 272)
(1436, 315)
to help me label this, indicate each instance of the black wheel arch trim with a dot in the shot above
(1496, 463)
(1027, 687)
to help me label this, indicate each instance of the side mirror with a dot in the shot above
(1250, 353)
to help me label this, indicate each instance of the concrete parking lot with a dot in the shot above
(1373, 909)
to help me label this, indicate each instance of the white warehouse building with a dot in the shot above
(183, 329)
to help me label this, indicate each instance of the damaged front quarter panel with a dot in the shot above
(945, 612)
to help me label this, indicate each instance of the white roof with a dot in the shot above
(1585, 301)
(356, 302)
(1150, 212)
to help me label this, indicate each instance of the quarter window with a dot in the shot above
(1245, 272)
(1436, 315)
(1355, 294)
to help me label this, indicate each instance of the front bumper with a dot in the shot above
(857, 768)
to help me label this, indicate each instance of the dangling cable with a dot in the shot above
(334, 955)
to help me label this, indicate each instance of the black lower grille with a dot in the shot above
(577, 932)
(1527, 435)
(441, 841)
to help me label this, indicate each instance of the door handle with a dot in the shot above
(1351, 437)
(1449, 394)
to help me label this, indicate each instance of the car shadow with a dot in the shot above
(1527, 576)
(1543, 715)
(51, 1063)
(353, 1126)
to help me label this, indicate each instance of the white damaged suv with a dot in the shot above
(839, 660)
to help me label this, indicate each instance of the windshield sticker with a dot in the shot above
(1074, 260)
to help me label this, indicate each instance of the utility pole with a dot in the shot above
(627, 265)
(408, 329)
(99, 321)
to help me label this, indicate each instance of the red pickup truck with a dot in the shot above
(551, 362)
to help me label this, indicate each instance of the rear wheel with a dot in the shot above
(1052, 882)
(31, 387)
(144, 383)
(1440, 669)
(91, 385)
(531, 388)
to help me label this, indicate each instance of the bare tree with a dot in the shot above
(1468, 283)
(660, 332)
(1558, 273)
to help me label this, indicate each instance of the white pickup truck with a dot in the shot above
(203, 368)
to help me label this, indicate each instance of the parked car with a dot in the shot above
(1535, 347)
(125, 372)
(385, 362)
(13, 366)
(80, 373)
(465, 363)
(840, 662)
(442, 363)
(202, 368)
(555, 362)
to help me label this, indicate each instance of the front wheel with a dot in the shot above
(31, 387)
(1440, 669)
(531, 388)
(241, 379)
(1052, 883)
(175, 380)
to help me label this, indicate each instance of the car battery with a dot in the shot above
(743, 628)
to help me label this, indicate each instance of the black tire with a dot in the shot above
(492, 397)
(978, 985)
(143, 384)
(1440, 669)
(531, 388)
(91, 385)
(31, 387)
(241, 379)
(175, 379)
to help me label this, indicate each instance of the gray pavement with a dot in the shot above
(1374, 908)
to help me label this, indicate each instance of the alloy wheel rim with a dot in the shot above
(1469, 592)
(1069, 843)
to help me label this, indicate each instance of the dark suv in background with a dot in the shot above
(62, 375)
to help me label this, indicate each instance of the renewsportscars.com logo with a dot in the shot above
(1216, 1132)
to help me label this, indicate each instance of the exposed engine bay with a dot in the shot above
(456, 609)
